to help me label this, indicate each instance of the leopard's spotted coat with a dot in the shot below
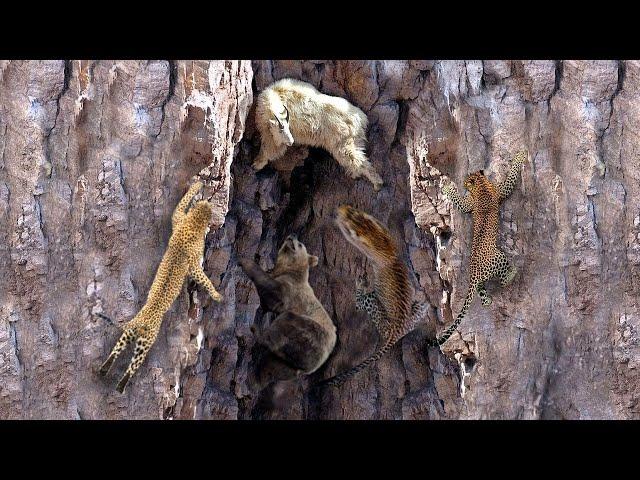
(487, 260)
(182, 258)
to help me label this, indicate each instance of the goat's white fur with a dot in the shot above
(316, 120)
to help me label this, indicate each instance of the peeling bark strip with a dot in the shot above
(94, 156)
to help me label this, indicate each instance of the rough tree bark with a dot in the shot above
(95, 155)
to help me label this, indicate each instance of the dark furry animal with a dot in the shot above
(302, 335)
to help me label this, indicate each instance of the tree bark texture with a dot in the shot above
(94, 156)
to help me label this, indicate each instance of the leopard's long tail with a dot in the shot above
(339, 379)
(452, 328)
(104, 317)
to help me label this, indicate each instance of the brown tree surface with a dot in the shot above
(96, 154)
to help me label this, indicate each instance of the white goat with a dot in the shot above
(291, 111)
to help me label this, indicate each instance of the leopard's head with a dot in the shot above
(475, 181)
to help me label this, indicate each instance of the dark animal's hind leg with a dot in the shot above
(269, 291)
(268, 369)
(297, 340)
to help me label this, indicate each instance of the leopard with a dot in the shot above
(487, 260)
(389, 305)
(182, 258)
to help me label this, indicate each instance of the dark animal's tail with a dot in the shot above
(342, 377)
(449, 331)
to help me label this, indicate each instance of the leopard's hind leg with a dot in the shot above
(143, 345)
(419, 312)
(504, 270)
(482, 293)
(368, 302)
(480, 272)
(127, 337)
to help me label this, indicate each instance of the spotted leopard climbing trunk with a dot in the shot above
(96, 154)
(94, 157)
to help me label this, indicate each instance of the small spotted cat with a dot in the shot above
(487, 260)
(183, 258)
(389, 305)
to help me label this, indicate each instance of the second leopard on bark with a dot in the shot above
(487, 260)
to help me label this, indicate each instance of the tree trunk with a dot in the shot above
(95, 156)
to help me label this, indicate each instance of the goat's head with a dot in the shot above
(280, 127)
